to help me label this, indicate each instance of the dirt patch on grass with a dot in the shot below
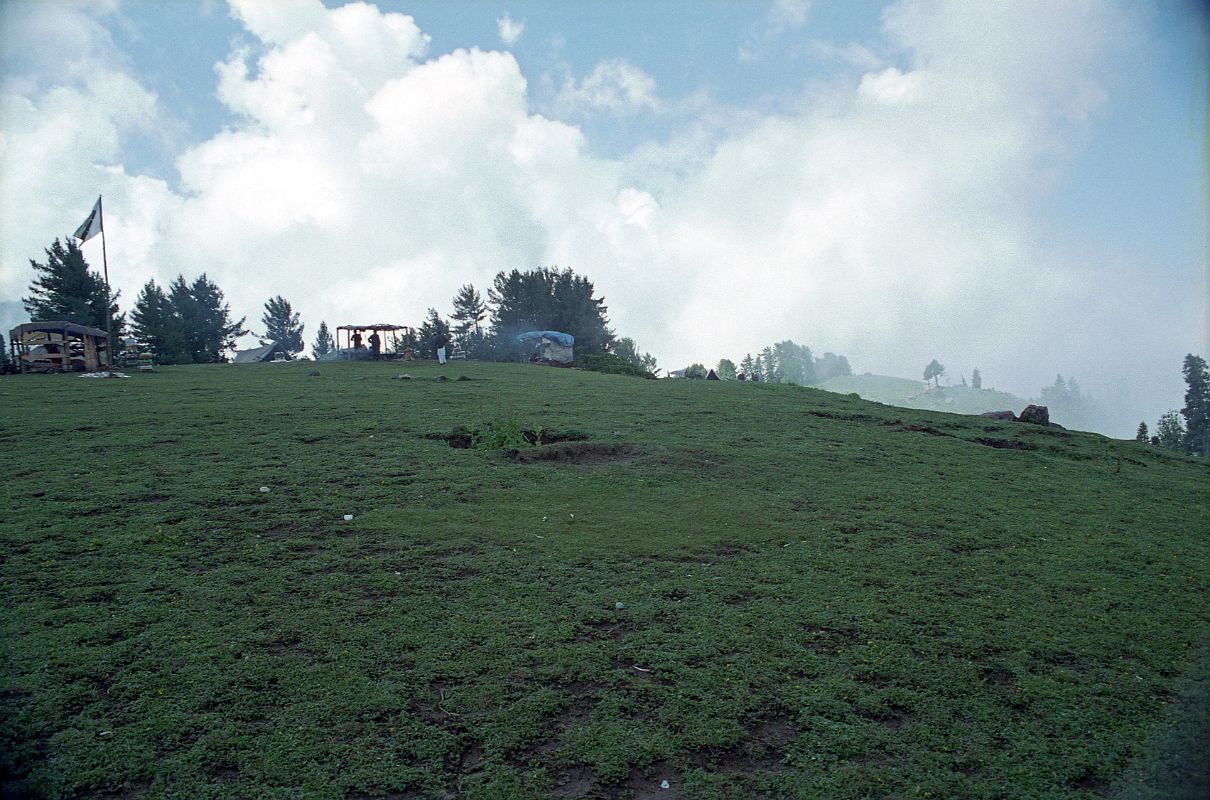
(578, 453)
(150, 498)
(828, 641)
(279, 530)
(920, 429)
(762, 749)
(998, 676)
(1005, 444)
(597, 630)
(463, 438)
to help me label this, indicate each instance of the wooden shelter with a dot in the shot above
(58, 346)
(357, 345)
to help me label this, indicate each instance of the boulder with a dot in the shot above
(1035, 415)
(1006, 416)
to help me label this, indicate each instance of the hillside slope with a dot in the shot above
(913, 394)
(743, 590)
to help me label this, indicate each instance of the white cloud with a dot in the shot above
(888, 218)
(510, 29)
(782, 16)
(615, 85)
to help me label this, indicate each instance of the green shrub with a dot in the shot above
(504, 432)
(611, 364)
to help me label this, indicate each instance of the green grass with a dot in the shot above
(821, 597)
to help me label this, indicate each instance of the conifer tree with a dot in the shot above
(468, 316)
(1197, 406)
(157, 325)
(747, 365)
(206, 320)
(976, 379)
(66, 289)
(282, 326)
(323, 343)
(546, 299)
(770, 372)
(1141, 435)
(433, 324)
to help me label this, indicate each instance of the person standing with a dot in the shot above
(375, 345)
(439, 342)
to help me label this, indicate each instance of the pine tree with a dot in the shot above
(769, 371)
(323, 341)
(1197, 406)
(66, 289)
(157, 325)
(433, 324)
(468, 316)
(1069, 404)
(546, 299)
(206, 320)
(1170, 431)
(747, 365)
(1141, 434)
(282, 326)
(976, 379)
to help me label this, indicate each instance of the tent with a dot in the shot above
(50, 346)
(272, 351)
(550, 346)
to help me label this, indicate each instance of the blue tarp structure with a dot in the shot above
(565, 339)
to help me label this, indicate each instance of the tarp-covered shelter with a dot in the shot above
(358, 344)
(58, 346)
(551, 346)
(273, 351)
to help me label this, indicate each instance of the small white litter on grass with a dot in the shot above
(348, 517)
(618, 606)
(104, 375)
(264, 490)
(664, 784)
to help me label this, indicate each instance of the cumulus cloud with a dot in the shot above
(614, 85)
(888, 217)
(780, 17)
(510, 29)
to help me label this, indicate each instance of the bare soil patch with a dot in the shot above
(578, 453)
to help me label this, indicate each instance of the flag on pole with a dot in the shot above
(91, 226)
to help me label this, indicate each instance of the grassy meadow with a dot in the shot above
(742, 590)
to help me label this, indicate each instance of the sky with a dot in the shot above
(1019, 187)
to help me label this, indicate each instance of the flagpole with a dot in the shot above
(108, 296)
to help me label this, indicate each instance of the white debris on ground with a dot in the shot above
(104, 375)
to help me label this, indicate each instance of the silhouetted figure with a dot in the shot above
(375, 344)
(357, 340)
(439, 343)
